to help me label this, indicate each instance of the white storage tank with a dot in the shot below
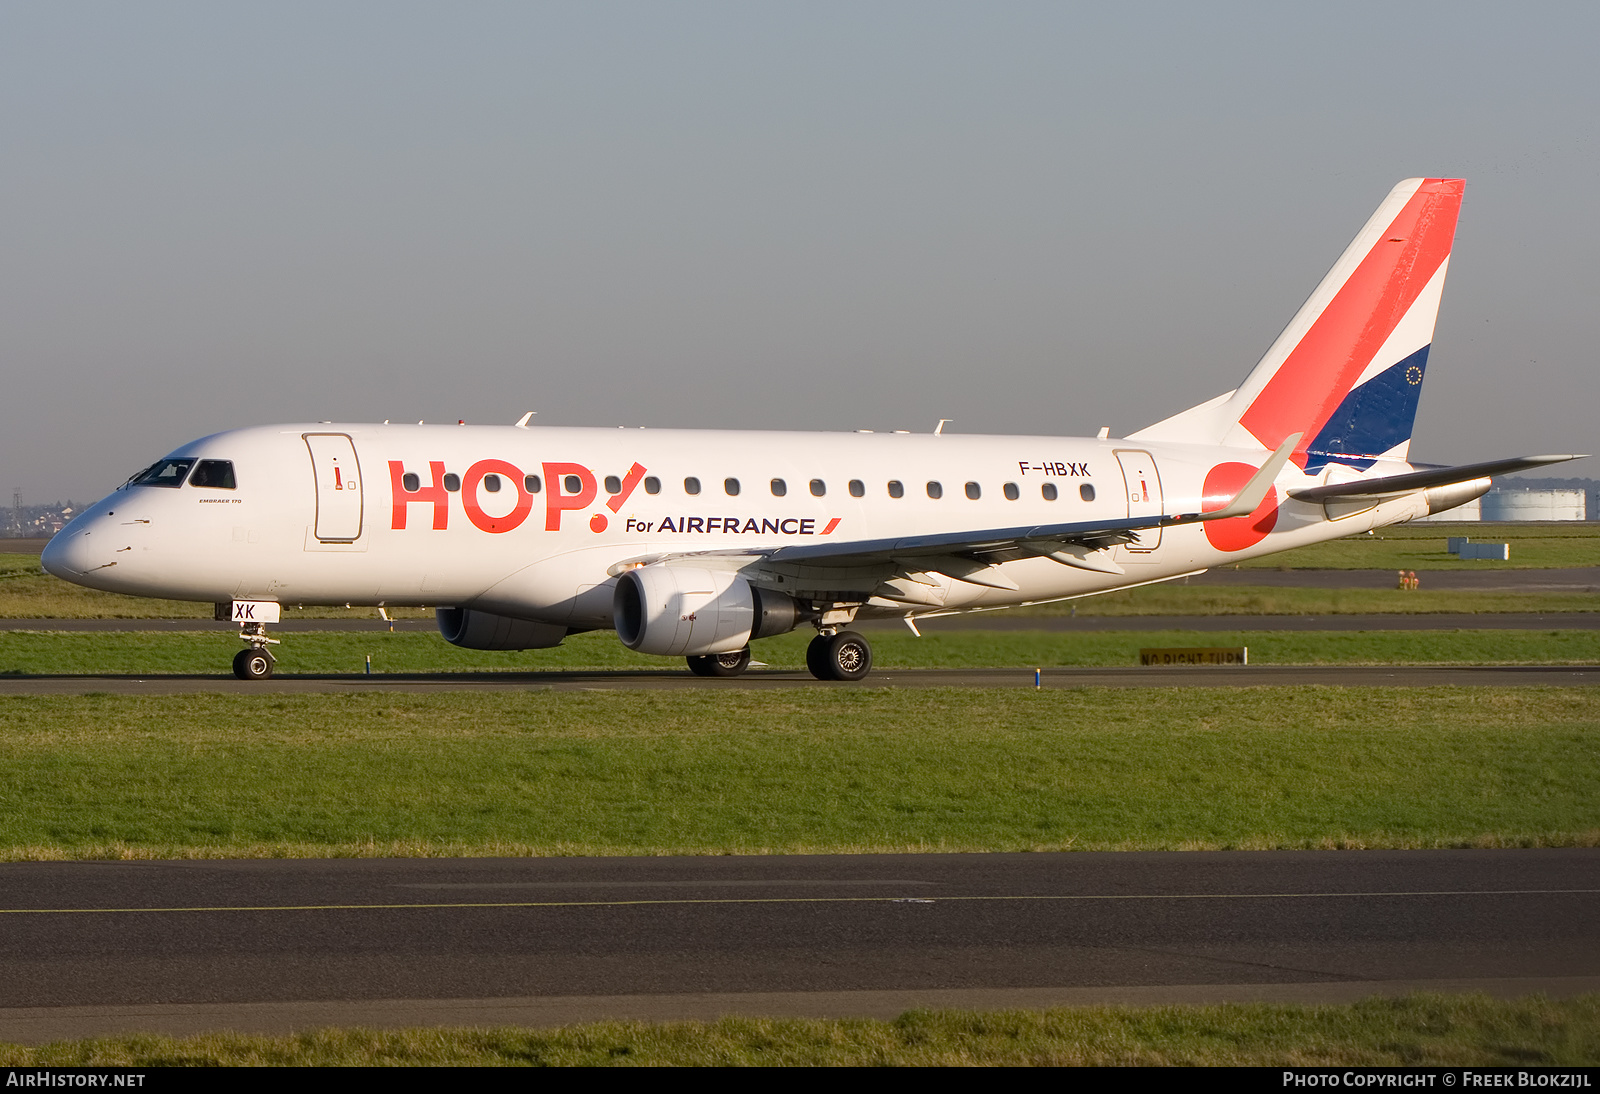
(1512, 503)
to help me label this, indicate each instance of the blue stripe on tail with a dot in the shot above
(1375, 417)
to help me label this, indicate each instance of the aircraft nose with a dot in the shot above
(58, 557)
(71, 552)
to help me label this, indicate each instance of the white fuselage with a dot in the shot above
(326, 514)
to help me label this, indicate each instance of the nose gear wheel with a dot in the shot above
(253, 664)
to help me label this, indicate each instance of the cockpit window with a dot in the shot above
(217, 474)
(163, 473)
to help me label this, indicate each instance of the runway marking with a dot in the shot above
(793, 900)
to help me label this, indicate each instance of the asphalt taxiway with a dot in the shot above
(1488, 579)
(759, 679)
(268, 946)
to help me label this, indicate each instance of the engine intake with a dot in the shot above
(672, 610)
(475, 630)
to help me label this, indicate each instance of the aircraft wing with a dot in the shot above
(1421, 480)
(970, 555)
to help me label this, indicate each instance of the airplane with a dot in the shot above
(694, 543)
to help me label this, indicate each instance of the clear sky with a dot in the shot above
(1029, 218)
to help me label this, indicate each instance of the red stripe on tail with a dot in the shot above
(1319, 372)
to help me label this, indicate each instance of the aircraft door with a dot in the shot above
(1142, 488)
(338, 479)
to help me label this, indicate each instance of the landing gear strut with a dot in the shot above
(843, 655)
(255, 663)
(720, 664)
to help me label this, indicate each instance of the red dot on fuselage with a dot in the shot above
(597, 523)
(1224, 481)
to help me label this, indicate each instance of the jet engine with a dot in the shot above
(1440, 498)
(671, 610)
(475, 630)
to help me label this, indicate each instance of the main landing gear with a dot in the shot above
(255, 663)
(842, 655)
(720, 664)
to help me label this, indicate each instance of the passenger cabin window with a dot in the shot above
(572, 484)
(974, 491)
(779, 488)
(163, 473)
(818, 488)
(491, 483)
(410, 483)
(1086, 491)
(1048, 491)
(897, 488)
(857, 488)
(530, 483)
(452, 482)
(691, 485)
(935, 490)
(1011, 492)
(613, 485)
(652, 485)
(731, 486)
(216, 474)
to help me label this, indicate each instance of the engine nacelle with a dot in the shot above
(1441, 498)
(673, 610)
(475, 630)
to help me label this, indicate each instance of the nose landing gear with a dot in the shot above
(252, 664)
(255, 663)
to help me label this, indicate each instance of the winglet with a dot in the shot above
(1245, 501)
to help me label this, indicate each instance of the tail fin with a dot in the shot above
(1347, 370)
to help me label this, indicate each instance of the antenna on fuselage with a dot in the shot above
(938, 429)
(522, 422)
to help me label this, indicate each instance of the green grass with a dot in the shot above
(1422, 546)
(121, 653)
(1176, 598)
(27, 592)
(796, 771)
(1414, 1031)
(40, 596)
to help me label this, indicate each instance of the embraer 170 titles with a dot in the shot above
(695, 543)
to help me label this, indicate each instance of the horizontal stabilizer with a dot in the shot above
(1421, 480)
